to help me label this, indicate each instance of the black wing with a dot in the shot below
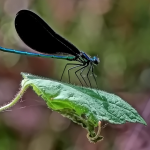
(36, 33)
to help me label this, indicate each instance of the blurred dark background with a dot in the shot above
(118, 32)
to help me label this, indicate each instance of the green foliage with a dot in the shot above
(7, 138)
(83, 106)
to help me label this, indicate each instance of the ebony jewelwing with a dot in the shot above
(39, 36)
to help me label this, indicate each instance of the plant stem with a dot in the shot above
(15, 100)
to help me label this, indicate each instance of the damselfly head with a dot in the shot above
(96, 60)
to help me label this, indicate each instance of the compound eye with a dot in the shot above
(96, 61)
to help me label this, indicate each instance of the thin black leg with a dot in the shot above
(82, 69)
(88, 75)
(65, 68)
(75, 73)
(94, 77)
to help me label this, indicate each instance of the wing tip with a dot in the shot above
(23, 11)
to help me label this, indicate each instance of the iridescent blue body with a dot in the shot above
(71, 58)
(93, 60)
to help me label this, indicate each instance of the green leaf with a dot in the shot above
(82, 105)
